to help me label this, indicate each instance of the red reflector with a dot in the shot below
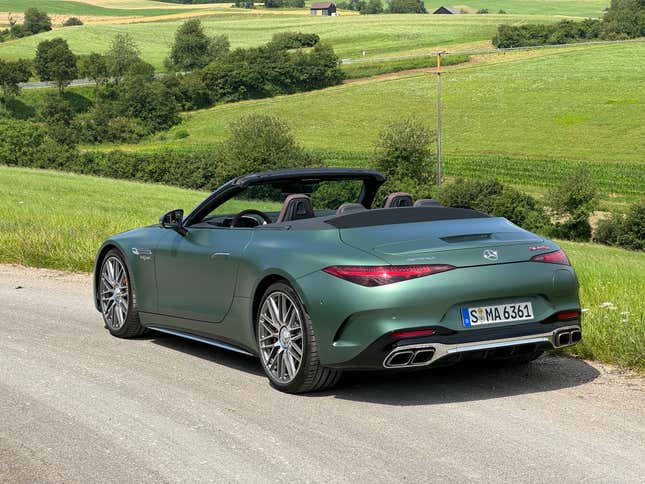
(557, 257)
(569, 315)
(371, 276)
(413, 334)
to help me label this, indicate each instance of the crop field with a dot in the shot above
(81, 211)
(86, 8)
(376, 35)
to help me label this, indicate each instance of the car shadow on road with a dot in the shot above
(463, 383)
(219, 356)
(460, 383)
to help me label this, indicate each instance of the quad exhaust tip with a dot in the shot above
(567, 337)
(400, 359)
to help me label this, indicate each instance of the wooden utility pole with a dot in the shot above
(439, 117)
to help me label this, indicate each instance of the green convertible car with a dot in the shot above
(322, 282)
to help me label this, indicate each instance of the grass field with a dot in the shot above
(376, 35)
(58, 220)
(85, 8)
(573, 8)
(63, 216)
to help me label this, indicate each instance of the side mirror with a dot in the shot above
(173, 220)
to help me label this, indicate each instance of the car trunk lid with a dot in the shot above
(468, 242)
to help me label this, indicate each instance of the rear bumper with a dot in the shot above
(489, 343)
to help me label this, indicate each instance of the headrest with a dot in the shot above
(296, 207)
(349, 208)
(398, 199)
(427, 202)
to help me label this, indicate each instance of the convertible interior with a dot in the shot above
(300, 206)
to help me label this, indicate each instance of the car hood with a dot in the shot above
(469, 242)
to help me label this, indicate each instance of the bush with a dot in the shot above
(572, 202)
(403, 154)
(260, 142)
(293, 40)
(372, 7)
(491, 197)
(332, 195)
(624, 231)
(267, 71)
(563, 32)
(26, 144)
(576, 197)
(406, 6)
(72, 21)
(482, 10)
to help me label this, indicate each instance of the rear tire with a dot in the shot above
(287, 343)
(116, 297)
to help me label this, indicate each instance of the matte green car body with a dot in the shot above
(209, 281)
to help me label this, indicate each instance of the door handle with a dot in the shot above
(215, 255)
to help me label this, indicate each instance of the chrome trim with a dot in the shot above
(201, 340)
(140, 251)
(441, 350)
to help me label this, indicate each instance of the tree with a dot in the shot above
(624, 19)
(36, 21)
(218, 47)
(372, 7)
(59, 114)
(406, 6)
(54, 61)
(403, 154)
(261, 142)
(190, 48)
(11, 75)
(122, 54)
(94, 67)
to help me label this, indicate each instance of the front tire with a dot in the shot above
(287, 343)
(116, 297)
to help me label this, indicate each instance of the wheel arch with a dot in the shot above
(264, 283)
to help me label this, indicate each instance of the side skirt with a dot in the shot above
(201, 339)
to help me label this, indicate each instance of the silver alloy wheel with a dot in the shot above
(114, 292)
(280, 336)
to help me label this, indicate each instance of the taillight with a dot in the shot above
(557, 257)
(371, 276)
(415, 333)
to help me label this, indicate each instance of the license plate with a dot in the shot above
(503, 313)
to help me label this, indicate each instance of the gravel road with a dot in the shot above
(77, 405)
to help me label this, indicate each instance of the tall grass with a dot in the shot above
(612, 291)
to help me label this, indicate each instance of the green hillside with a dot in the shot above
(577, 103)
(377, 35)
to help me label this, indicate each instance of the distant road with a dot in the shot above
(77, 405)
(42, 84)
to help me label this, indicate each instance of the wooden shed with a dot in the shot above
(323, 8)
